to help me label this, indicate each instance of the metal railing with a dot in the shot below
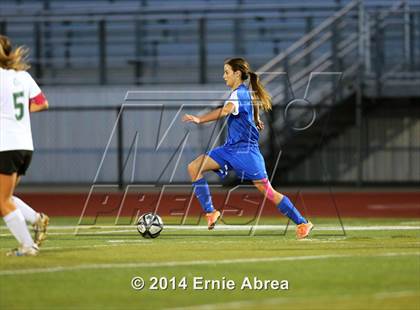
(351, 49)
(332, 54)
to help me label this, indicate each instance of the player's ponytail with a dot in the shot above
(12, 58)
(260, 92)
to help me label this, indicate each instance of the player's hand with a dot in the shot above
(259, 123)
(188, 118)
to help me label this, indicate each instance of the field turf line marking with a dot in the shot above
(50, 248)
(400, 294)
(87, 230)
(235, 304)
(276, 301)
(191, 263)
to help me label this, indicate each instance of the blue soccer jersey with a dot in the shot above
(240, 152)
(242, 132)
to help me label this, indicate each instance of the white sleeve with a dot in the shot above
(34, 89)
(234, 99)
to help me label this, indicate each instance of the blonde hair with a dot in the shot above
(13, 58)
(260, 93)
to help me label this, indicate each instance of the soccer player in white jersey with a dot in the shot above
(19, 95)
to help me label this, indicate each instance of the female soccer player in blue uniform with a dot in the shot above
(240, 152)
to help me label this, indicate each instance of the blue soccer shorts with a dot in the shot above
(247, 163)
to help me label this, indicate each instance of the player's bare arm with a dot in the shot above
(38, 103)
(38, 107)
(211, 116)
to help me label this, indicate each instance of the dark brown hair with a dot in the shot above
(260, 93)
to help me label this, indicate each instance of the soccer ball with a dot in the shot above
(149, 225)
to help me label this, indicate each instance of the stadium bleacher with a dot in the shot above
(148, 42)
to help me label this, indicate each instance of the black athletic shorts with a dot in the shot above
(15, 161)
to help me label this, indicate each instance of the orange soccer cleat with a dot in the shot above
(303, 230)
(212, 219)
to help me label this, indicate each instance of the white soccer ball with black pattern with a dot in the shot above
(150, 225)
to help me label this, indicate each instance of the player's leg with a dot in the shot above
(264, 187)
(282, 202)
(196, 169)
(13, 217)
(38, 220)
(201, 164)
(28, 213)
(7, 185)
(285, 206)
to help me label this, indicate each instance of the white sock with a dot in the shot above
(17, 226)
(28, 213)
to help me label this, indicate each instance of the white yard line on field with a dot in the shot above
(125, 242)
(281, 300)
(51, 248)
(235, 304)
(88, 246)
(101, 230)
(98, 230)
(400, 294)
(192, 263)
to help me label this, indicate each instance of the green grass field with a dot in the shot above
(374, 265)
